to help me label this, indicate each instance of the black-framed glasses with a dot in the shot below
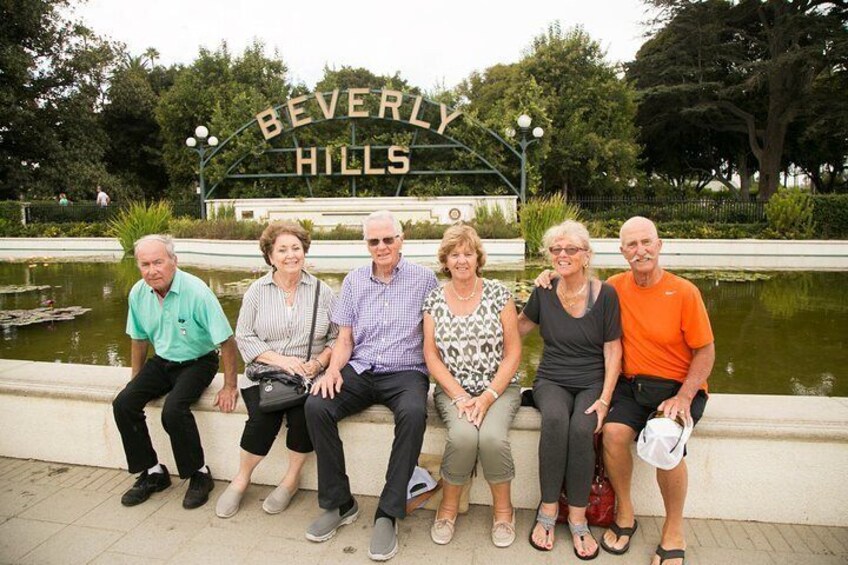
(374, 242)
(570, 250)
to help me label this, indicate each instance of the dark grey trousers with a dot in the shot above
(405, 394)
(566, 444)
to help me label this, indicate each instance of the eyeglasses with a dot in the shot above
(570, 250)
(386, 240)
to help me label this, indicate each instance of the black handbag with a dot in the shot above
(650, 391)
(279, 390)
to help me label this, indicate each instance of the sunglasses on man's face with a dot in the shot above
(386, 240)
(570, 250)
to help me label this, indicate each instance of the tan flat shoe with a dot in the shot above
(278, 500)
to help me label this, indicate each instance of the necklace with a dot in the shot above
(570, 301)
(287, 292)
(465, 298)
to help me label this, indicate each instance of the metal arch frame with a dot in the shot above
(282, 111)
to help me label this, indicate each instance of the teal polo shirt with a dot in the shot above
(188, 324)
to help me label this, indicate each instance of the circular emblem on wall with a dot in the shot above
(454, 214)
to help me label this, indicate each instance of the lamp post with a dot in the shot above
(202, 144)
(524, 142)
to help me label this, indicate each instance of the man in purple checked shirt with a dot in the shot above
(377, 359)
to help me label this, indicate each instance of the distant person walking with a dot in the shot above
(103, 199)
(63, 199)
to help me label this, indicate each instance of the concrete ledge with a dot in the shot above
(324, 256)
(341, 256)
(763, 458)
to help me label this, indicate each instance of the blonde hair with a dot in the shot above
(461, 235)
(569, 228)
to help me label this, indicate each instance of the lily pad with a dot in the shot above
(22, 288)
(40, 315)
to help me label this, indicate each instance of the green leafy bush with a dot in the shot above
(491, 223)
(10, 211)
(422, 230)
(187, 228)
(830, 212)
(339, 233)
(139, 220)
(790, 215)
(538, 214)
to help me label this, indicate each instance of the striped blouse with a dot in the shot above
(267, 323)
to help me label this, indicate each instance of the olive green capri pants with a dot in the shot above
(465, 443)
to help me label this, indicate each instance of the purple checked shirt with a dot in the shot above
(386, 317)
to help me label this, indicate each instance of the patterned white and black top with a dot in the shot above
(471, 346)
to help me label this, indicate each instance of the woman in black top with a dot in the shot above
(580, 325)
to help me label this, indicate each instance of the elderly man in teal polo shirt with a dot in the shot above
(178, 314)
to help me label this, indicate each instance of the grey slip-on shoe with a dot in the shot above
(324, 526)
(384, 542)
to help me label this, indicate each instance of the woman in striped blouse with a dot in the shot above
(273, 328)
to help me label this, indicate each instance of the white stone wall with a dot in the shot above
(326, 213)
(764, 458)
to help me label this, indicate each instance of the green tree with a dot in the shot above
(222, 92)
(54, 74)
(760, 78)
(134, 153)
(566, 86)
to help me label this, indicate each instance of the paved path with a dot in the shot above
(64, 514)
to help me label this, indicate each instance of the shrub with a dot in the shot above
(10, 211)
(831, 215)
(187, 228)
(339, 232)
(139, 220)
(538, 214)
(491, 223)
(790, 215)
(423, 230)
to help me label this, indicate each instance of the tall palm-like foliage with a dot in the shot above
(138, 220)
(539, 214)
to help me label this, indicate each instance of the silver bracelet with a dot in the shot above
(459, 399)
(604, 402)
(492, 391)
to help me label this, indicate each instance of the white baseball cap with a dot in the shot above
(662, 442)
(420, 482)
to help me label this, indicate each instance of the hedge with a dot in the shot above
(830, 214)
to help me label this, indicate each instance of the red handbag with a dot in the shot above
(601, 508)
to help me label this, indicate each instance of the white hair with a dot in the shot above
(165, 240)
(569, 228)
(381, 216)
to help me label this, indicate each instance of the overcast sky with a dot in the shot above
(430, 42)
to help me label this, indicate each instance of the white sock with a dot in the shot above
(155, 469)
(204, 470)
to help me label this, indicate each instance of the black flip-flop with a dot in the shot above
(548, 523)
(619, 532)
(666, 554)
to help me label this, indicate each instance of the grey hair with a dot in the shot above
(568, 228)
(381, 216)
(165, 240)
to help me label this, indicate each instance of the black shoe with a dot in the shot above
(199, 487)
(145, 485)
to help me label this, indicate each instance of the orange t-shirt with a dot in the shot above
(661, 325)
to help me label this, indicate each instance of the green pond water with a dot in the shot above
(783, 335)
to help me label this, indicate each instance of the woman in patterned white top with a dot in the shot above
(273, 329)
(472, 348)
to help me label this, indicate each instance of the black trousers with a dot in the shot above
(405, 394)
(261, 428)
(183, 383)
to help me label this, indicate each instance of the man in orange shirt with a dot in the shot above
(668, 342)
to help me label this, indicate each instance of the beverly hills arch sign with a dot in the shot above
(391, 102)
(288, 137)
